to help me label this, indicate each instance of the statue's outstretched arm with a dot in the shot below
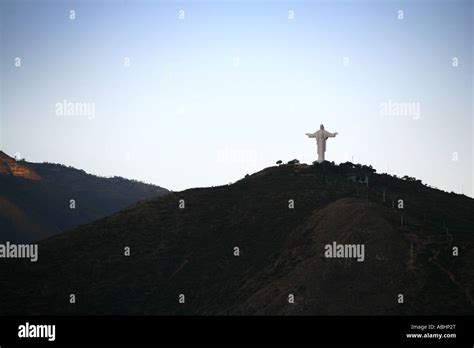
(311, 135)
(331, 135)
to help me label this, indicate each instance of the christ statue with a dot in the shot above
(321, 136)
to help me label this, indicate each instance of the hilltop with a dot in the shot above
(191, 251)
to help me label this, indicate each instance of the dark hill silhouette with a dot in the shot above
(35, 198)
(190, 251)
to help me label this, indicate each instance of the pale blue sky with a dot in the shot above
(234, 86)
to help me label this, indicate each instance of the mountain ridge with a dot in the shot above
(191, 251)
(55, 198)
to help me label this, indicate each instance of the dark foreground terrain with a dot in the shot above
(35, 198)
(190, 251)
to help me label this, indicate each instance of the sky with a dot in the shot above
(187, 94)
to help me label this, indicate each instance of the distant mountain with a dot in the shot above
(282, 251)
(35, 198)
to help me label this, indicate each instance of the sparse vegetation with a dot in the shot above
(293, 162)
(282, 251)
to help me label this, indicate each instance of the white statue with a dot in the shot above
(321, 136)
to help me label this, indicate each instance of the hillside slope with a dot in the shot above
(190, 251)
(35, 198)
